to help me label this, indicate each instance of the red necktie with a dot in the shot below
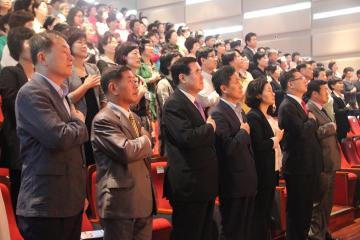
(201, 110)
(303, 104)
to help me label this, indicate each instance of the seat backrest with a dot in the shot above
(350, 152)
(89, 184)
(14, 231)
(344, 162)
(354, 125)
(158, 175)
(4, 172)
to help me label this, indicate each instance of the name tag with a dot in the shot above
(160, 170)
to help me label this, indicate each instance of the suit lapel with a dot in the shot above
(231, 115)
(190, 106)
(125, 122)
(297, 105)
(316, 110)
(264, 121)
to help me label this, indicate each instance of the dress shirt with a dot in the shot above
(236, 107)
(116, 107)
(299, 100)
(208, 97)
(189, 96)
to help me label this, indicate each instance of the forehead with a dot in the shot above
(194, 66)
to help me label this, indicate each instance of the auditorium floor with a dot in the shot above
(351, 232)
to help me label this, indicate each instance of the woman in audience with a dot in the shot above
(91, 42)
(261, 62)
(128, 54)
(101, 25)
(107, 46)
(12, 78)
(170, 42)
(40, 12)
(265, 137)
(349, 87)
(75, 18)
(245, 76)
(84, 84)
(274, 71)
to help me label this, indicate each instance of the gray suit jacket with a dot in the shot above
(327, 137)
(74, 81)
(123, 181)
(53, 180)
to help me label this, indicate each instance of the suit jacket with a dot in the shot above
(257, 72)
(262, 144)
(123, 182)
(341, 117)
(301, 148)
(350, 97)
(53, 180)
(191, 174)
(237, 173)
(279, 95)
(74, 82)
(11, 80)
(326, 133)
(250, 55)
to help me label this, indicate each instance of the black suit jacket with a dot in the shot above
(257, 72)
(279, 96)
(341, 116)
(191, 174)
(11, 80)
(301, 148)
(262, 144)
(250, 55)
(237, 174)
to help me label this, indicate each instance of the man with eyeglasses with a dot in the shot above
(302, 159)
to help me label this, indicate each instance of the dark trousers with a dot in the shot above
(15, 180)
(300, 198)
(237, 218)
(43, 228)
(322, 208)
(264, 201)
(127, 229)
(193, 220)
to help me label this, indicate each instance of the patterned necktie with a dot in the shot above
(201, 110)
(134, 125)
(303, 104)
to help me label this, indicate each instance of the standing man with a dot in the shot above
(125, 196)
(51, 134)
(318, 96)
(191, 180)
(237, 173)
(301, 155)
(250, 49)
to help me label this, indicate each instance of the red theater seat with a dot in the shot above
(13, 229)
(354, 127)
(350, 152)
(158, 174)
(91, 192)
(161, 229)
(345, 184)
(4, 172)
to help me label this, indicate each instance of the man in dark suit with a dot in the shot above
(250, 49)
(237, 173)
(124, 190)
(318, 96)
(51, 134)
(191, 181)
(301, 155)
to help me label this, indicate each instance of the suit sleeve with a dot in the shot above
(179, 127)
(326, 130)
(108, 138)
(36, 115)
(259, 143)
(9, 88)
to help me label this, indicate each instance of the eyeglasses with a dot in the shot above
(299, 78)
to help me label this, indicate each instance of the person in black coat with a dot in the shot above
(191, 182)
(237, 174)
(261, 61)
(265, 137)
(12, 78)
(250, 48)
(275, 72)
(302, 159)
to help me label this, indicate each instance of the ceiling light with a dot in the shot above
(190, 2)
(335, 13)
(223, 30)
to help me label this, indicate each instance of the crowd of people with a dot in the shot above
(85, 84)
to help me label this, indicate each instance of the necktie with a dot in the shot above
(303, 104)
(134, 125)
(201, 110)
(238, 112)
(324, 111)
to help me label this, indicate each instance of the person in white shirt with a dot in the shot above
(207, 59)
(40, 11)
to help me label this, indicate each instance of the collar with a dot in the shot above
(339, 95)
(299, 100)
(232, 105)
(188, 95)
(252, 49)
(206, 75)
(119, 109)
(62, 91)
(319, 106)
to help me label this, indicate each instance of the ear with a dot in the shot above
(112, 88)
(223, 88)
(182, 78)
(41, 58)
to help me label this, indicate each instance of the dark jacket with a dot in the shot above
(250, 55)
(257, 72)
(237, 173)
(191, 174)
(341, 117)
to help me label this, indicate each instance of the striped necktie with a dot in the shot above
(134, 125)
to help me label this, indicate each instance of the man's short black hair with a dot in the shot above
(20, 18)
(203, 52)
(181, 66)
(42, 42)
(235, 43)
(358, 72)
(333, 81)
(222, 77)
(288, 76)
(228, 57)
(16, 38)
(110, 74)
(317, 71)
(301, 65)
(248, 37)
(207, 38)
(313, 86)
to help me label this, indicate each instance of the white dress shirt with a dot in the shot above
(208, 97)
(6, 59)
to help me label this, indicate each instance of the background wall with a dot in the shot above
(323, 39)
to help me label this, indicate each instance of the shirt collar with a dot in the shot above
(316, 104)
(117, 108)
(232, 105)
(339, 95)
(62, 91)
(206, 75)
(188, 95)
(299, 100)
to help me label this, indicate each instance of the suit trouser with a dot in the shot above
(15, 181)
(193, 220)
(237, 217)
(322, 209)
(45, 228)
(300, 197)
(127, 229)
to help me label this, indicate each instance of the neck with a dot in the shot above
(146, 59)
(317, 102)
(120, 103)
(261, 68)
(296, 94)
(28, 67)
(188, 91)
(57, 79)
(111, 56)
(337, 92)
(78, 62)
(264, 108)
(3, 11)
(230, 99)
(40, 19)
(275, 78)
(209, 71)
